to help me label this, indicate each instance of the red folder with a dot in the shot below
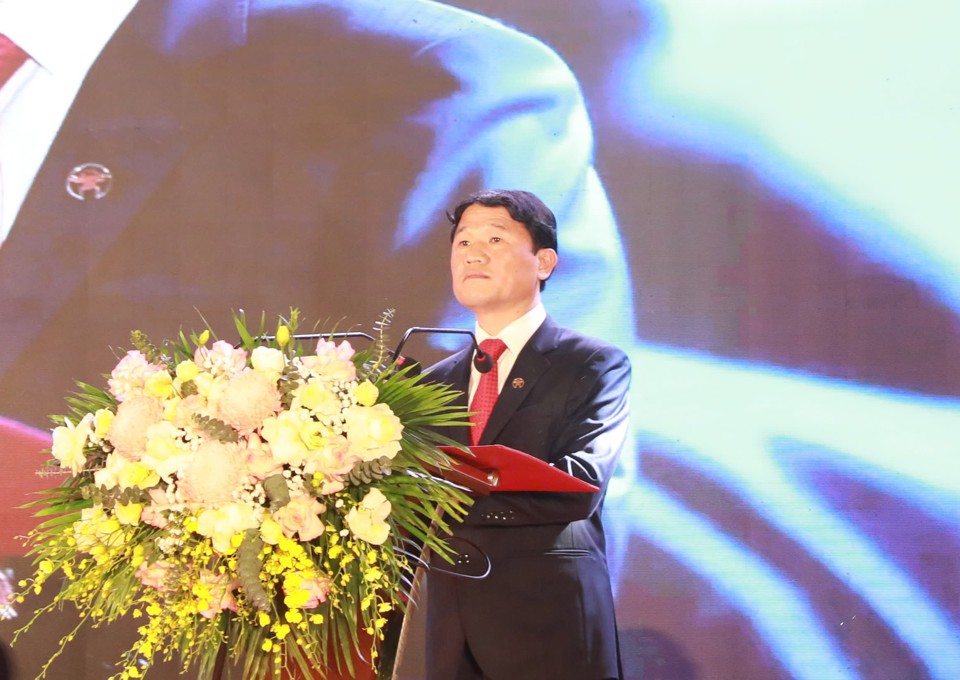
(493, 468)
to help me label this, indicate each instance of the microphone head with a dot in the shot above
(412, 366)
(482, 361)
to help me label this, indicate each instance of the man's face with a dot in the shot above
(496, 273)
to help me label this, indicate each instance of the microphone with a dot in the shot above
(406, 362)
(482, 361)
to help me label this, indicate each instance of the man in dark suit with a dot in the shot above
(266, 154)
(545, 610)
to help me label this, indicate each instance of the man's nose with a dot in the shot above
(476, 253)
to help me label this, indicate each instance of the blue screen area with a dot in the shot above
(794, 493)
(780, 174)
(756, 200)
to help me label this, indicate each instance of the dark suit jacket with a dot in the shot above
(546, 608)
(268, 154)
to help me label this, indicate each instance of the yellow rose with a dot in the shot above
(314, 435)
(102, 420)
(268, 361)
(162, 453)
(208, 386)
(128, 513)
(159, 385)
(187, 370)
(171, 407)
(283, 435)
(283, 335)
(135, 474)
(317, 396)
(366, 393)
(223, 523)
(373, 431)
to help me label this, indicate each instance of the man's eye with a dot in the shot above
(463, 243)
(495, 239)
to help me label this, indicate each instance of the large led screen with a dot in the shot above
(755, 199)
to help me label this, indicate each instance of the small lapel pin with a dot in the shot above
(517, 383)
(89, 180)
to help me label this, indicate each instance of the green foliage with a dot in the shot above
(79, 532)
(216, 428)
(368, 471)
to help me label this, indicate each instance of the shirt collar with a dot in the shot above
(64, 37)
(519, 331)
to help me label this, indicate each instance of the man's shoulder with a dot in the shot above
(573, 342)
(446, 366)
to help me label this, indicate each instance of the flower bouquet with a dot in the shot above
(263, 501)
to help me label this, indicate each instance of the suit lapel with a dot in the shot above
(132, 115)
(527, 370)
(458, 376)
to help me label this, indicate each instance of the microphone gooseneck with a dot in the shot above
(482, 361)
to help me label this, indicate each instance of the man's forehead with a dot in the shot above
(492, 216)
(493, 224)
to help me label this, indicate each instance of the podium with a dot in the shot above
(494, 468)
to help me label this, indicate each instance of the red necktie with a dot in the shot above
(487, 391)
(11, 58)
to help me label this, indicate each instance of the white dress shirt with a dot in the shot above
(515, 337)
(62, 38)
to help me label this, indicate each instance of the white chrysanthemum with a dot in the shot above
(128, 431)
(247, 400)
(214, 476)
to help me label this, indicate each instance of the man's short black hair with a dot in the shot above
(523, 206)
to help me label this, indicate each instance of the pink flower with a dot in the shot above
(154, 575)
(128, 431)
(154, 513)
(154, 517)
(318, 589)
(130, 375)
(248, 399)
(214, 474)
(258, 460)
(315, 589)
(332, 361)
(221, 594)
(331, 462)
(222, 358)
(301, 516)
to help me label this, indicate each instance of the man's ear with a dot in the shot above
(547, 258)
